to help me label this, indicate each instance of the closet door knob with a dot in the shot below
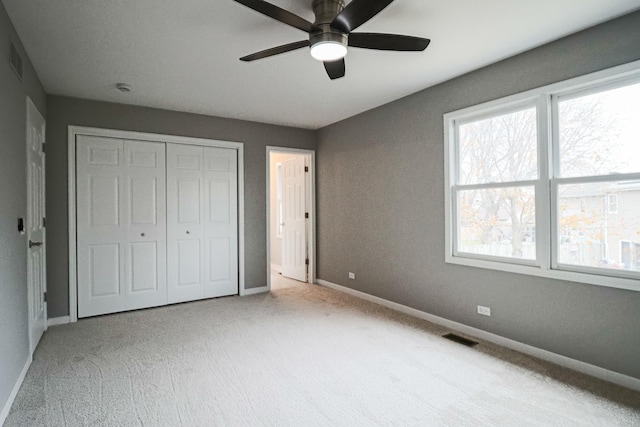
(188, 232)
(142, 234)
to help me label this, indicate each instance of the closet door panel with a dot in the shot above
(104, 270)
(189, 254)
(219, 251)
(144, 267)
(121, 225)
(221, 224)
(101, 213)
(146, 253)
(184, 222)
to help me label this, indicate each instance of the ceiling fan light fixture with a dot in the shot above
(328, 51)
(328, 45)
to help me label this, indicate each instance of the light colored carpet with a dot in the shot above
(301, 356)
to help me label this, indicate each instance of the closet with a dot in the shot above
(156, 223)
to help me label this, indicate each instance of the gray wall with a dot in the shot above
(381, 212)
(255, 136)
(14, 336)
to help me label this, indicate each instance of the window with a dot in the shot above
(498, 170)
(612, 203)
(536, 182)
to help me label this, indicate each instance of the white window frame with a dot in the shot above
(456, 187)
(546, 186)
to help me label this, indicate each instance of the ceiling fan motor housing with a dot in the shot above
(325, 11)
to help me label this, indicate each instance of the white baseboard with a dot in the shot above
(14, 392)
(558, 359)
(277, 268)
(254, 291)
(53, 321)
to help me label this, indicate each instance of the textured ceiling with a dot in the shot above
(183, 55)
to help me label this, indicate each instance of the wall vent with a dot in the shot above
(16, 61)
(460, 340)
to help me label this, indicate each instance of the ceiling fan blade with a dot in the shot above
(275, 51)
(357, 13)
(381, 41)
(335, 69)
(278, 14)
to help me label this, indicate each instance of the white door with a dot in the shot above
(185, 229)
(121, 235)
(220, 222)
(36, 255)
(146, 225)
(294, 236)
(202, 228)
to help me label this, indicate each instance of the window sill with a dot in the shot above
(529, 270)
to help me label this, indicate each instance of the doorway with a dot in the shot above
(290, 216)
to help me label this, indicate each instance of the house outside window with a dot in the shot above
(612, 203)
(536, 182)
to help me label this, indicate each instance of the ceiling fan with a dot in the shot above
(331, 32)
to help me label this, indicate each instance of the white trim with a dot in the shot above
(279, 201)
(14, 391)
(564, 361)
(241, 272)
(493, 185)
(54, 321)
(277, 268)
(253, 291)
(618, 177)
(74, 131)
(311, 203)
(546, 100)
(71, 213)
(570, 276)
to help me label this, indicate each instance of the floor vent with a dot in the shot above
(460, 340)
(16, 61)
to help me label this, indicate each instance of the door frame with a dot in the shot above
(32, 110)
(310, 190)
(74, 131)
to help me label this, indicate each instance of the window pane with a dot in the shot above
(599, 225)
(499, 149)
(600, 133)
(498, 222)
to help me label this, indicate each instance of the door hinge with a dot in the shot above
(43, 147)
(44, 294)
(44, 222)
(306, 261)
(306, 214)
(306, 168)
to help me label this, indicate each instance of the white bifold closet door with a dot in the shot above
(202, 225)
(121, 225)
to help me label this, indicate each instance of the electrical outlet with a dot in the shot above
(352, 275)
(485, 311)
